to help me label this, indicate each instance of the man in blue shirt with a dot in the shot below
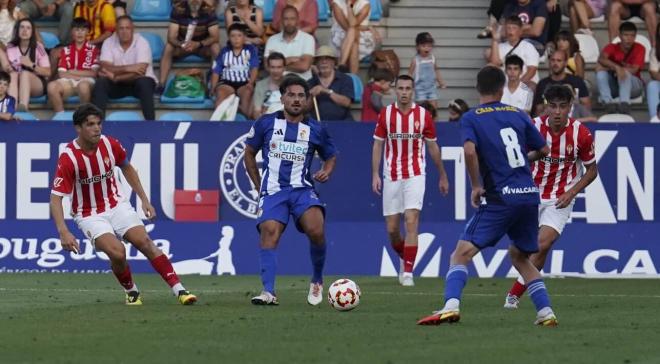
(287, 141)
(494, 136)
(332, 88)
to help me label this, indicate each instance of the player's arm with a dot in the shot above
(67, 239)
(472, 165)
(326, 170)
(250, 159)
(436, 156)
(589, 176)
(535, 155)
(133, 180)
(376, 155)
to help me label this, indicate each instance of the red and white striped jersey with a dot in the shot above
(404, 136)
(89, 177)
(569, 151)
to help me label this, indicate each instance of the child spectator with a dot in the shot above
(7, 103)
(430, 108)
(77, 68)
(516, 93)
(457, 108)
(235, 70)
(565, 40)
(424, 69)
(377, 94)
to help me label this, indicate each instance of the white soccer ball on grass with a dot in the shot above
(344, 294)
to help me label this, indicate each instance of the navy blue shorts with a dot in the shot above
(491, 222)
(280, 205)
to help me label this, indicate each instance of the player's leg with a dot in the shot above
(411, 218)
(312, 224)
(392, 210)
(392, 224)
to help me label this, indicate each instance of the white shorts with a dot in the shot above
(404, 194)
(550, 215)
(116, 221)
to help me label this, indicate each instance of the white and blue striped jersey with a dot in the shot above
(236, 68)
(8, 105)
(288, 150)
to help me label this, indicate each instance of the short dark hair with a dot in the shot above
(80, 22)
(275, 56)
(627, 26)
(237, 26)
(124, 17)
(574, 45)
(289, 7)
(383, 74)
(405, 78)
(490, 80)
(424, 38)
(558, 92)
(458, 106)
(514, 19)
(85, 110)
(291, 80)
(514, 60)
(4, 76)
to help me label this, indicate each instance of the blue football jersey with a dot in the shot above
(288, 149)
(502, 134)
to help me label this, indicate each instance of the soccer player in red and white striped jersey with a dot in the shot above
(405, 130)
(566, 171)
(86, 173)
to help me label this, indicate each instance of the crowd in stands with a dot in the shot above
(100, 56)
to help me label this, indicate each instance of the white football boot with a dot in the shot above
(315, 295)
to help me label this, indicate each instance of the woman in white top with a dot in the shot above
(350, 33)
(9, 14)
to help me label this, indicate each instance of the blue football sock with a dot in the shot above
(455, 281)
(538, 294)
(317, 254)
(268, 263)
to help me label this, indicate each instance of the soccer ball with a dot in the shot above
(344, 294)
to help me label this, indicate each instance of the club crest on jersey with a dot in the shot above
(302, 134)
(416, 125)
(234, 180)
(106, 160)
(569, 149)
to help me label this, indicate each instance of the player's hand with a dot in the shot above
(376, 184)
(149, 210)
(69, 242)
(444, 185)
(321, 176)
(476, 195)
(316, 90)
(565, 199)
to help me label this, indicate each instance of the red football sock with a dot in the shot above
(163, 266)
(518, 289)
(409, 255)
(125, 278)
(398, 248)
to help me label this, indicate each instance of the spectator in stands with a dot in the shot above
(579, 111)
(653, 87)
(457, 108)
(27, 63)
(430, 108)
(249, 15)
(425, 71)
(377, 94)
(236, 69)
(119, 6)
(9, 14)
(308, 21)
(516, 93)
(515, 45)
(296, 45)
(626, 9)
(62, 10)
(193, 29)
(580, 11)
(266, 98)
(619, 70)
(7, 103)
(566, 41)
(77, 69)
(534, 17)
(495, 10)
(656, 117)
(350, 33)
(557, 75)
(100, 15)
(332, 89)
(126, 69)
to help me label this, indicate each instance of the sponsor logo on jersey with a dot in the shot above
(288, 151)
(405, 135)
(506, 190)
(95, 179)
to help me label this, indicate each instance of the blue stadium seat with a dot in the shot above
(324, 10)
(268, 8)
(155, 43)
(124, 100)
(176, 116)
(193, 58)
(50, 40)
(39, 99)
(24, 115)
(151, 10)
(73, 100)
(376, 10)
(63, 116)
(240, 117)
(357, 87)
(179, 99)
(124, 116)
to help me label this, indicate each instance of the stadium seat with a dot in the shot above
(50, 40)
(24, 115)
(176, 116)
(616, 118)
(641, 40)
(240, 117)
(73, 100)
(588, 47)
(63, 116)
(268, 7)
(151, 10)
(376, 10)
(179, 99)
(324, 10)
(39, 99)
(124, 100)
(357, 87)
(193, 58)
(124, 116)
(155, 43)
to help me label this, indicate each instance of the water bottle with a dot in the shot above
(189, 32)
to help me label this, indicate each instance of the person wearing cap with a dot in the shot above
(332, 88)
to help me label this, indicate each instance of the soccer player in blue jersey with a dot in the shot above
(494, 138)
(288, 141)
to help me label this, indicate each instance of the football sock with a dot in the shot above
(163, 266)
(409, 255)
(318, 261)
(126, 279)
(398, 248)
(518, 289)
(538, 294)
(268, 262)
(454, 283)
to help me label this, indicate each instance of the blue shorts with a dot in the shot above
(491, 222)
(426, 93)
(281, 204)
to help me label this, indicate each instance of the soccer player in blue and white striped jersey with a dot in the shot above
(7, 103)
(288, 141)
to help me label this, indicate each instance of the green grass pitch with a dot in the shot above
(46, 318)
